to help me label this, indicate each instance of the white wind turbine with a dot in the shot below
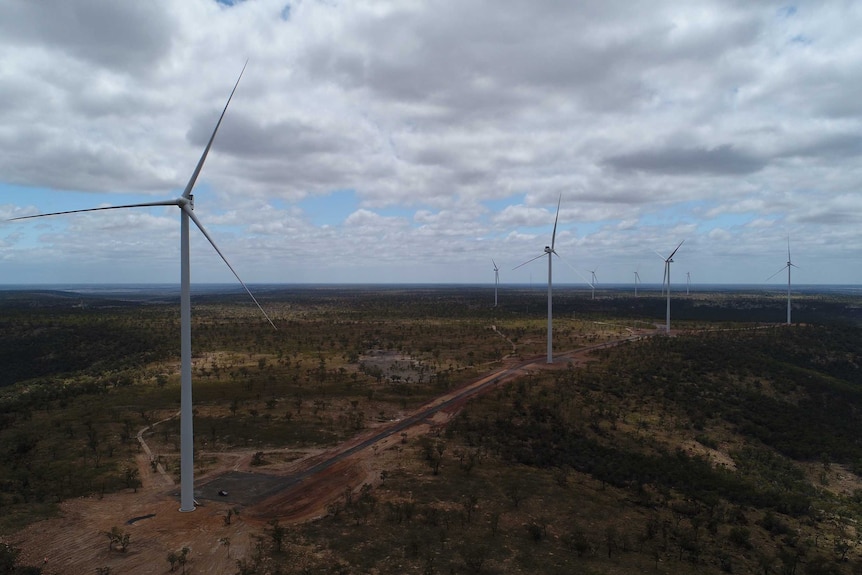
(186, 205)
(788, 265)
(549, 251)
(593, 282)
(687, 282)
(496, 280)
(637, 281)
(666, 280)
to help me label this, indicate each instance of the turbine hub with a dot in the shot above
(547, 249)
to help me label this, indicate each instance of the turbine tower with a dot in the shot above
(666, 280)
(496, 280)
(593, 282)
(687, 282)
(549, 251)
(637, 281)
(186, 205)
(788, 265)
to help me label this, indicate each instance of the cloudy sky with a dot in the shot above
(414, 141)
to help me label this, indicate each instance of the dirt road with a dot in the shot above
(296, 491)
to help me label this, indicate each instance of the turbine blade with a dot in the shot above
(188, 191)
(661, 256)
(576, 270)
(200, 226)
(788, 249)
(670, 257)
(144, 205)
(528, 261)
(778, 272)
(495, 264)
(557, 217)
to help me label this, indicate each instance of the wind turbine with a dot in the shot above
(593, 282)
(186, 205)
(549, 251)
(496, 280)
(637, 281)
(666, 280)
(788, 265)
(687, 282)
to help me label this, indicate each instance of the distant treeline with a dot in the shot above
(41, 342)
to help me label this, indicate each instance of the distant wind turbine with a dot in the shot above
(687, 282)
(666, 280)
(496, 280)
(549, 251)
(787, 266)
(186, 205)
(637, 281)
(593, 282)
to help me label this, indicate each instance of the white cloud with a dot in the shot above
(456, 125)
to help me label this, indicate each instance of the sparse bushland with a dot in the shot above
(636, 498)
(78, 382)
(703, 453)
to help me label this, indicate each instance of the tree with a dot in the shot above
(842, 547)
(8, 558)
(226, 542)
(764, 562)
(474, 555)
(361, 505)
(515, 492)
(469, 501)
(230, 513)
(117, 537)
(611, 539)
(277, 532)
(132, 477)
(183, 557)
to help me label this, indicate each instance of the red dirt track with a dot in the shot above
(75, 543)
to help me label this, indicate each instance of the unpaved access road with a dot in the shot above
(292, 492)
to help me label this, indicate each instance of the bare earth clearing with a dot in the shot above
(297, 490)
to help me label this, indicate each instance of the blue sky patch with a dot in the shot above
(496, 206)
(331, 209)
